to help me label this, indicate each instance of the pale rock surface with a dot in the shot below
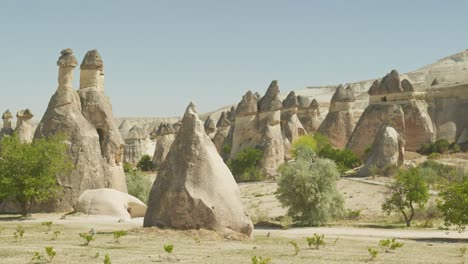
(110, 202)
(194, 188)
(165, 136)
(24, 129)
(309, 114)
(135, 144)
(64, 115)
(339, 122)
(210, 126)
(124, 128)
(291, 126)
(385, 151)
(245, 132)
(222, 132)
(7, 129)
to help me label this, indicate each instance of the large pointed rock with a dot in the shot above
(165, 136)
(291, 126)
(194, 188)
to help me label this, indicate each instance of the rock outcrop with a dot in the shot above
(291, 126)
(124, 128)
(309, 114)
(135, 144)
(222, 132)
(7, 129)
(24, 130)
(339, 122)
(165, 135)
(210, 127)
(111, 203)
(194, 188)
(245, 125)
(64, 115)
(384, 96)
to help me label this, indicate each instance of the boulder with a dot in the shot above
(194, 187)
(110, 202)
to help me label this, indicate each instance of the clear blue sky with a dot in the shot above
(159, 55)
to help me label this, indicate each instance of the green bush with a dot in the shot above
(437, 174)
(408, 189)
(127, 167)
(226, 149)
(244, 165)
(138, 185)
(441, 146)
(260, 260)
(307, 187)
(145, 163)
(316, 241)
(433, 156)
(454, 204)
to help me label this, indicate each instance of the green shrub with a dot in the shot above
(55, 235)
(226, 149)
(304, 141)
(118, 234)
(260, 260)
(19, 233)
(138, 185)
(107, 259)
(48, 225)
(316, 241)
(453, 204)
(168, 248)
(433, 156)
(408, 189)
(344, 159)
(353, 214)
(388, 245)
(40, 257)
(437, 174)
(244, 165)
(145, 163)
(295, 246)
(87, 238)
(307, 187)
(441, 146)
(372, 253)
(127, 167)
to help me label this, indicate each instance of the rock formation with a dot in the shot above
(124, 128)
(210, 126)
(135, 144)
(222, 132)
(165, 135)
(111, 203)
(245, 125)
(194, 188)
(291, 127)
(384, 95)
(339, 122)
(309, 114)
(64, 115)
(24, 130)
(7, 130)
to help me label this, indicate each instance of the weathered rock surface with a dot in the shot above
(135, 144)
(385, 151)
(64, 115)
(210, 126)
(222, 132)
(194, 188)
(309, 114)
(165, 136)
(291, 127)
(110, 202)
(245, 132)
(339, 122)
(6, 130)
(24, 130)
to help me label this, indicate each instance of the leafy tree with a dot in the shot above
(454, 204)
(138, 185)
(307, 186)
(28, 171)
(145, 163)
(244, 165)
(408, 189)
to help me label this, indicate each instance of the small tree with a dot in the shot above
(244, 165)
(28, 171)
(138, 185)
(307, 186)
(145, 163)
(454, 204)
(408, 189)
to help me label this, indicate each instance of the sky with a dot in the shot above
(160, 55)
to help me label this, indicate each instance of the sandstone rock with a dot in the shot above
(7, 130)
(303, 101)
(339, 122)
(407, 86)
(385, 151)
(194, 188)
(245, 133)
(135, 144)
(165, 135)
(309, 115)
(24, 130)
(248, 105)
(223, 121)
(97, 109)
(210, 126)
(64, 115)
(110, 202)
(270, 101)
(124, 128)
(389, 84)
(231, 114)
(291, 127)
(222, 133)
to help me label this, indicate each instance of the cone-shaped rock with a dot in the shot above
(7, 130)
(24, 129)
(194, 188)
(135, 144)
(291, 127)
(165, 135)
(210, 126)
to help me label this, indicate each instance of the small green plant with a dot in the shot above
(168, 248)
(260, 260)
(353, 214)
(145, 163)
(55, 235)
(433, 156)
(244, 165)
(372, 253)
(118, 234)
(389, 245)
(48, 225)
(462, 251)
(316, 241)
(87, 238)
(40, 257)
(107, 259)
(19, 233)
(295, 246)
